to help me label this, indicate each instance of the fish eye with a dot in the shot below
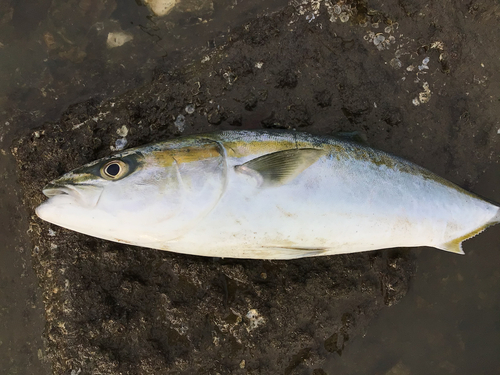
(114, 170)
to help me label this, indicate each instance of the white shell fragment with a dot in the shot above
(255, 319)
(425, 95)
(424, 64)
(122, 132)
(161, 7)
(118, 39)
(338, 11)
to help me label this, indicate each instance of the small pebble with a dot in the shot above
(189, 109)
(396, 63)
(424, 64)
(378, 39)
(180, 121)
(344, 17)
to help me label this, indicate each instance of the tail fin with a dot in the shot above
(455, 245)
(496, 218)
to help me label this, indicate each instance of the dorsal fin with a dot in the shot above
(354, 136)
(281, 167)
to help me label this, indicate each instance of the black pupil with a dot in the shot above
(113, 169)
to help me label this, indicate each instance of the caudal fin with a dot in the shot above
(496, 218)
(455, 245)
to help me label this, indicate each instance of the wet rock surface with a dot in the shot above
(116, 309)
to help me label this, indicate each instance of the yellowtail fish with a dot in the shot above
(264, 195)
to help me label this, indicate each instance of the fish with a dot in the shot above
(265, 195)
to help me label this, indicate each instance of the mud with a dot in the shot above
(118, 309)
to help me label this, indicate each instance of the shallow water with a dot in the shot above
(449, 323)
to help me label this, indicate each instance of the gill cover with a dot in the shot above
(201, 171)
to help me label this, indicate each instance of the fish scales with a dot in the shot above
(265, 195)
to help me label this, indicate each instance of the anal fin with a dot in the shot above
(293, 252)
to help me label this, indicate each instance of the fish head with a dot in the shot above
(145, 196)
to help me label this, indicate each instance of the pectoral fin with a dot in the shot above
(279, 168)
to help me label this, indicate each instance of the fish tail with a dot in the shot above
(496, 218)
(455, 245)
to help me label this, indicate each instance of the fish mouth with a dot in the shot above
(52, 190)
(87, 195)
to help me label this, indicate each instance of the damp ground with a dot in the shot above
(419, 80)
